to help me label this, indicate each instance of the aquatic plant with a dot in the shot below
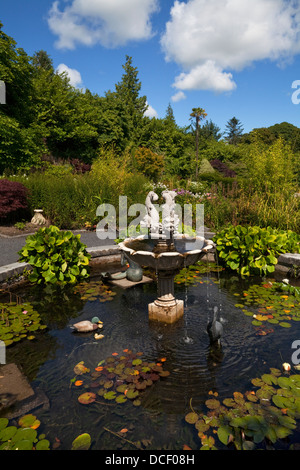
(274, 303)
(93, 290)
(194, 273)
(261, 416)
(118, 378)
(24, 437)
(18, 321)
(55, 256)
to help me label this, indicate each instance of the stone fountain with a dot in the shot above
(164, 250)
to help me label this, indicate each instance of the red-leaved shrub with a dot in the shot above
(13, 199)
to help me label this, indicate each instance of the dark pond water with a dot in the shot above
(195, 367)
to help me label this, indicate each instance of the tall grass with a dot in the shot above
(69, 200)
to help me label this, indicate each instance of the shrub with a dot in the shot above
(149, 163)
(13, 200)
(79, 166)
(254, 250)
(55, 257)
(222, 168)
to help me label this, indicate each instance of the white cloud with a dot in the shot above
(150, 112)
(178, 96)
(108, 22)
(73, 74)
(210, 39)
(205, 77)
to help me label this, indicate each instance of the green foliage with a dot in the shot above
(149, 163)
(205, 167)
(24, 437)
(249, 420)
(55, 257)
(254, 250)
(18, 322)
(118, 378)
(271, 168)
(275, 303)
(234, 131)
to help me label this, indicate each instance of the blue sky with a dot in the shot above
(231, 57)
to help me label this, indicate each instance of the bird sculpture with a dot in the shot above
(86, 325)
(215, 329)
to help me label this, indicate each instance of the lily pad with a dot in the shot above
(82, 442)
(87, 398)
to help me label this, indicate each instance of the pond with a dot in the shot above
(189, 372)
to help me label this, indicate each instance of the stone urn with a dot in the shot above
(38, 218)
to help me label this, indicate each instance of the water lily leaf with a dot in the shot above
(257, 382)
(238, 398)
(229, 402)
(121, 399)
(24, 434)
(131, 394)
(87, 398)
(7, 433)
(136, 362)
(43, 444)
(164, 373)
(285, 324)
(201, 426)
(122, 388)
(212, 404)
(82, 442)
(23, 445)
(281, 402)
(80, 368)
(191, 418)
(29, 421)
(110, 395)
(284, 382)
(269, 379)
(137, 402)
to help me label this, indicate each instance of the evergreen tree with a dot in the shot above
(234, 131)
(129, 103)
(210, 131)
(169, 117)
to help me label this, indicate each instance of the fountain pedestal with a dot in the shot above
(166, 308)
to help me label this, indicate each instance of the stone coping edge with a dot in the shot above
(10, 270)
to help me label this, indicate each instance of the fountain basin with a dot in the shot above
(140, 250)
(166, 261)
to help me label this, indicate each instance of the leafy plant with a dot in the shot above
(55, 256)
(118, 378)
(254, 250)
(248, 420)
(18, 322)
(94, 290)
(24, 437)
(275, 303)
(194, 273)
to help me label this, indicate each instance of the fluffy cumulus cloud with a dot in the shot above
(73, 74)
(178, 96)
(210, 39)
(150, 112)
(108, 22)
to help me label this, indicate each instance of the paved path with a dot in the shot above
(9, 247)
